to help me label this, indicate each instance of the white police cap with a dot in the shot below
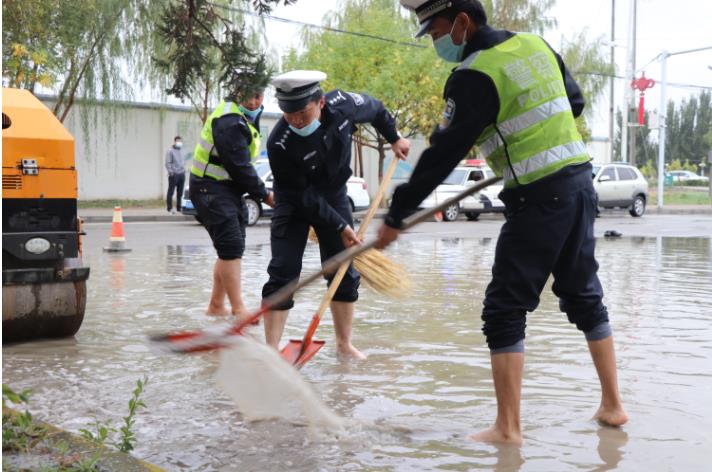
(425, 10)
(295, 88)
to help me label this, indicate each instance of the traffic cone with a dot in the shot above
(117, 241)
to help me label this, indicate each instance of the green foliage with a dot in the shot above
(520, 15)
(688, 125)
(104, 431)
(79, 48)
(408, 79)
(18, 429)
(205, 46)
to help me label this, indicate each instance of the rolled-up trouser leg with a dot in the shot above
(575, 273)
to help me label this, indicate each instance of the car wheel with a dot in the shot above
(197, 218)
(451, 213)
(353, 207)
(253, 211)
(472, 216)
(638, 207)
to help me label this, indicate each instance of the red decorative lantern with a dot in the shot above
(642, 84)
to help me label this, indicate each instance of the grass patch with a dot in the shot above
(152, 203)
(678, 196)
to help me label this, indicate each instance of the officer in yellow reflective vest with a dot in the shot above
(221, 174)
(512, 96)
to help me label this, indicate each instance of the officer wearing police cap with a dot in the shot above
(309, 152)
(512, 96)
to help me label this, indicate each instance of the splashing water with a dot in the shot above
(264, 386)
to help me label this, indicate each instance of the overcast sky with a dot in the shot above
(662, 24)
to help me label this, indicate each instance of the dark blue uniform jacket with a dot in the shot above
(307, 170)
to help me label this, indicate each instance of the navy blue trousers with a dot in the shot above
(548, 230)
(288, 237)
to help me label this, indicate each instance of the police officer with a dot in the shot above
(221, 174)
(310, 154)
(512, 96)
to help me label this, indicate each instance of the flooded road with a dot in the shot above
(426, 385)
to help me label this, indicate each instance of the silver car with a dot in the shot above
(620, 185)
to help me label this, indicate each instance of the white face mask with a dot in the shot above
(178, 145)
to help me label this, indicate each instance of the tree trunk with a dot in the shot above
(381, 158)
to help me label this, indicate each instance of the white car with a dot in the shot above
(684, 175)
(485, 201)
(356, 190)
(620, 185)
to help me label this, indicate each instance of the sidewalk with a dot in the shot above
(132, 215)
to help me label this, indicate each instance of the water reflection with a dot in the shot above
(426, 386)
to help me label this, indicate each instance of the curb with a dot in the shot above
(137, 218)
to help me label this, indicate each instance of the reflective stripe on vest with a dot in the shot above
(205, 146)
(535, 133)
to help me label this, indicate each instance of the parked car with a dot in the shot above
(620, 185)
(485, 201)
(686, 175)
(356, 191)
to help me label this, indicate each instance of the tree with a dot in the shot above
(687, 125)
(79, 48)
(204, 46)
(520, 15)
(407, 77)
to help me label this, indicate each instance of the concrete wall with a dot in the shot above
(119, 151)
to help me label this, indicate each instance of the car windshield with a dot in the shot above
(595, 171)
(456, 177)
(488, 173)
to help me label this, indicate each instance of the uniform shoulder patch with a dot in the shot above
(336, 98)
(448, 114)
(357, 97)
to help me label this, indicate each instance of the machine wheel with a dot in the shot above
(472, 216)
(452, 212)
(638, 207)
(253, 211)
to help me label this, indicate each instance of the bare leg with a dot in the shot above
(611, 411)
(507, 371)
(229, 273)
(343, 314)
(274, 326)
(217, 307)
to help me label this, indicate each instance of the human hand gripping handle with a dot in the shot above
(401, 148)
(349, 237)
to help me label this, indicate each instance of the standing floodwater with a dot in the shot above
(426, 384)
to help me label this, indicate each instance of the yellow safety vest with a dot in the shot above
(535, 133)
(206, 147)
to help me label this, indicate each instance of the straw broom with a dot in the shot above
(378, 271)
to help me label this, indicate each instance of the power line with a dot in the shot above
(415, 45)
(671, 84)
(325, 28)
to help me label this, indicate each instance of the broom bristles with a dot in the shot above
(382, 274)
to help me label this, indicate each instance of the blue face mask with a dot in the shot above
(447, 49)
(251, 114)
(308, 129)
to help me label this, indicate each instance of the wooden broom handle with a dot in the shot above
(338, 277)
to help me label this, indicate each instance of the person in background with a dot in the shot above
(175, 165)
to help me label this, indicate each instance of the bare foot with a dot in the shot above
(214, 310)
(349, 352)
(243, 315)
(611, 416)
(495, 435)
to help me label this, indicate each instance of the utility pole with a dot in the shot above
(611, 111)
(662, 113)
(634, 128)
